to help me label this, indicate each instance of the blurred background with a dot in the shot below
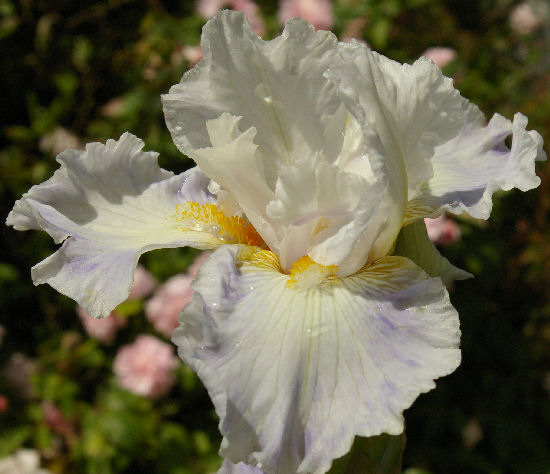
(110, 397)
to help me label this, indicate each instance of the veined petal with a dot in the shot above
(363, 154)
(318, 208)
(233, 163)
(299, 364)
(108, 205)
(270, 113)
(413, 108)
(413, 242)
(476, 163)
(228, 467)
(275, 86)
(323, 209)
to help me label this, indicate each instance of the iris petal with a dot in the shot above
(108, 205)
(476, 163)
(296, 371)
(275, 86)
(411, 110)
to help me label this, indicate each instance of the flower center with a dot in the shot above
(306, 274)
(208, 218)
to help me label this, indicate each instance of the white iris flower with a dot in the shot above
(323, 312)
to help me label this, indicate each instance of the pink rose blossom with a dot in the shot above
(523, 19)
(317, 12)
(208, 8)
(144, 283)
(193, 54)
(113, 108)
(440, 56)
(146, 366)
(59, 140)
(104, 329)
(252, 12)
(197, 263)
(163, 308)
(442, 230)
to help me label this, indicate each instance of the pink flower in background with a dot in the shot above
(196, 264)
(524, 19)
(59, 140)
(163, 308)
(193, 54)
(208, 8)
(55, 419)
(442, 230)
(18, 373)
(2, 333)
(104, 329)
(317, 12)
(144, 283)
(113, 108)
(440, 56)
(146, 366)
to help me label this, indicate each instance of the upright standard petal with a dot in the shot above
(299, 364)
(275, 86)
(233, 162)
(287, 135)
(413, 108)
(108, 205)
(476, 163)
(324, 210)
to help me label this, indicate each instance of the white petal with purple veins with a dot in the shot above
(108, 205)
(413, 108)
(275, 86)
(228, 467)
(299, 364)
(476, 163)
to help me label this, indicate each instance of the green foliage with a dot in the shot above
(75, 72)
(375, 455)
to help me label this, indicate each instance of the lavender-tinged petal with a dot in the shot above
(470, 168)
(295, 372)
(108, 205)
